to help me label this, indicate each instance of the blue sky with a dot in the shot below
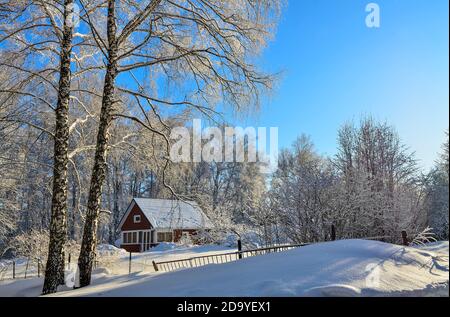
(335, 69)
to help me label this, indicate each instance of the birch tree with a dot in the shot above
(37, 20)
(38, 37)
(54, 270)
(206, 45)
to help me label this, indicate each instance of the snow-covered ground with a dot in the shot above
(112, 262)
(340, 268)
(116, 261)
(21, 268)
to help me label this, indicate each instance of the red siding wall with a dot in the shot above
(135, 248)
(129, 224)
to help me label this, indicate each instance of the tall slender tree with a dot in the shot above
(54, 270)
(205, 47)
(37, 15)
(87, 253)
(43, 73)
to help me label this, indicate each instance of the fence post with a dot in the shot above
(68, 264)
(155, 266)
(405, 238)
(39, 268)
(239, 243)
(333, 233)
(129, 264)
(26, 267)
(14, 269)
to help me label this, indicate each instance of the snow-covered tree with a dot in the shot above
(203, 46)
(300, 193)
(437, 188)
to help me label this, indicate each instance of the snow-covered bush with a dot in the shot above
(164, 246)
(423, 237)
(34, 246)
(186, 240)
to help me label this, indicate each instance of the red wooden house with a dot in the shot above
(150, 221)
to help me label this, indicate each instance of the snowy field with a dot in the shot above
(116, 261)
(112, 262)
(340, 268)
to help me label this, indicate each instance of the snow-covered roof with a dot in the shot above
(173, 214)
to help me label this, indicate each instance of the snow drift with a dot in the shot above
(340, 268)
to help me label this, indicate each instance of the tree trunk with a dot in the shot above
(117, 197)
(89, 244)
(72, 231)
(54, 271)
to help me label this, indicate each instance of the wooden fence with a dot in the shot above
(29, 268)
(18, 270)
(168, 266)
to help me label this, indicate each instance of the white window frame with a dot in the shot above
(171, 231)
(151, 233)
(137, 217)
(131, 231)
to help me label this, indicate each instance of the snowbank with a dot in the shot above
(340, 268)
(164, 246)
(250, 240)
(109, 250)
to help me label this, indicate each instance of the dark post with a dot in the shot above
(39, 268)
(155, 266)
(333, 233)
(239, 242)
(26, 268)
(14, 269)
(69, 261)
(129, 265)
(405, 238)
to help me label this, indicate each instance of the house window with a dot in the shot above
(137, 218)
(165, 236)
(126, 237)
(129, 237)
